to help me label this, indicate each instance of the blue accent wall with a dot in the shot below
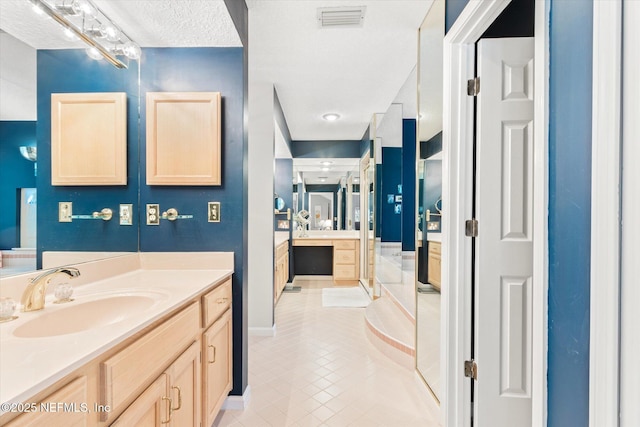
(72, 71)
(390, 172)
(570, 78)
(408, 184)
(203, 69)
(453, 9)
(15, 172)
(346, 149)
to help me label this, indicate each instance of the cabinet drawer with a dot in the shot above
(344, 256)
(344, 244)
(344, 272)
(73, 394)
(216, 302)
(435, 247)
(130, 371)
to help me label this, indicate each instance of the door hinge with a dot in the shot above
(473, 86)
(471, 228)
(471, 369)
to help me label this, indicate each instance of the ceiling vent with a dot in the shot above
(341, 17)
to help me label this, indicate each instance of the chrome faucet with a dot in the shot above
(33, 295)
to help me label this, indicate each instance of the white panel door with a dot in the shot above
(630, 234)
(504, 246)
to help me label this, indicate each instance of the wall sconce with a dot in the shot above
(29, 153)
(85, 20)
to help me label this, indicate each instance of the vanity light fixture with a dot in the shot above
(331, 117)
(86, 21)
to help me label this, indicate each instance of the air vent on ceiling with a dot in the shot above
(341, 17)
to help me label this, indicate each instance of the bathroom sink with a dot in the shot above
(82, 316)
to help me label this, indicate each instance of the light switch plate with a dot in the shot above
(65, 210)
(126, 214)
(213, 211)
(153, 214)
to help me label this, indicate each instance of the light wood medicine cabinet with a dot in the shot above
(183, 138)
(89, 138)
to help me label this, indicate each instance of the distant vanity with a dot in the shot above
(335, 253)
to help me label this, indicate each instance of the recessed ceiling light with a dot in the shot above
(326, 163)
(325, 169)
(323, 179)
(331, 117)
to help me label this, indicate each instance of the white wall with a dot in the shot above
(261, 155)
(17, 79)
(390, 127)
(408, 96)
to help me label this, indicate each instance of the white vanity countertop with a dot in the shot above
(280, 237)
(329, 234)
(434, 237)
(28, 365)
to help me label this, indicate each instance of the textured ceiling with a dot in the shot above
(151, 23)
(354, 72)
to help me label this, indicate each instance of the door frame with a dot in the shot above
(458, 118)
(605, 214)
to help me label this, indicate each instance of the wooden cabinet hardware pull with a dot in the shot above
(170, 406)
(214, 354)
(221, 300)
(175, 387)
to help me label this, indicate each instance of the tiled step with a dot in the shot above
(391, 331)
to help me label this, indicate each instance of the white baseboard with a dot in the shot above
(263, 332)
(237, 403)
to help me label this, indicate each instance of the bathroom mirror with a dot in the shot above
(429, 190)
(329, 188)
(388, 200)
(60, 66)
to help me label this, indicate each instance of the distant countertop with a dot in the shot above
(328, 234)
(29, 365)
(434, 237)
(280, 237)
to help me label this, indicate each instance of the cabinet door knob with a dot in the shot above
(170, 406)
(214, 353)
(175, 387)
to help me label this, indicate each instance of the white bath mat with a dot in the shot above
(345, 297)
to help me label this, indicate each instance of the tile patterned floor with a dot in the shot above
(321, 370)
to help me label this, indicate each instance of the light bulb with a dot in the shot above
(70, 35)
(331, 117)
(94, 53)
(110, 32)
(84, 7)
(132, 50)
(95, 30)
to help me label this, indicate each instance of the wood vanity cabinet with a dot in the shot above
(281, 270)
(173, 399)
(74, 393)
(175, 373)
(434, 267)
(346, 260)
(216, 366)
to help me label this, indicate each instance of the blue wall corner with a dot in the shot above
(408, 184)
(570, 79)
(15, 172)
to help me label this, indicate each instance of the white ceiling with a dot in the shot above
(151, 23)
(354, 72)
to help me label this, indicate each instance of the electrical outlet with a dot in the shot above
(213, 211)
(65, 210)
(126, 214)
(153, 214)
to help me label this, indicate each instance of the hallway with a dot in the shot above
(321, 370)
